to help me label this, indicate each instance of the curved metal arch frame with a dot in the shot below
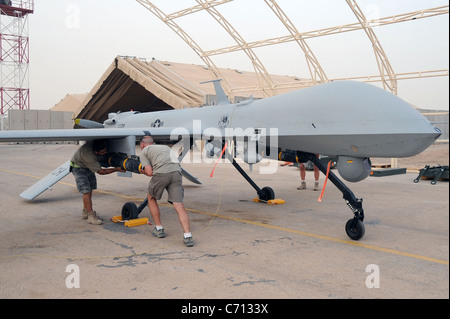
(261, 72)
(168, 19)
(387, 75)
(384, 66)
(315, 69)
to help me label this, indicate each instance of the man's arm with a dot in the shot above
(106, 171)
(147, 170)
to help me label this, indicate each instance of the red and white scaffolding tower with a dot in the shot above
(14, 54)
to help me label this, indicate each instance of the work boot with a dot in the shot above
(302, 186)
(316, 186)
(84, 214)
(93, 218)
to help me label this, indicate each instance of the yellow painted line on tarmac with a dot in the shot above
(327, 238)
(17, 173)
(288, 230)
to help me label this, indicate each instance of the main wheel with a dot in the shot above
(266, 194)
(355, 229)
(130, 211)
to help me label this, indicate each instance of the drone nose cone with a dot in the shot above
(400, 130)
(434, 134)
(421, 140)
(438, 132)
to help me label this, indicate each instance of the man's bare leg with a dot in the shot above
(183, 217)
(154, 210)
(87, 201)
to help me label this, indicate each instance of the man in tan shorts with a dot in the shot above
(166, 174)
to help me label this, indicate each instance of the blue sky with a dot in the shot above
(72, 43)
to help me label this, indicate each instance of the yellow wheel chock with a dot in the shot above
(270, 202)
(132, 222)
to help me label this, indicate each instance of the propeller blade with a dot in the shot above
(190, 177)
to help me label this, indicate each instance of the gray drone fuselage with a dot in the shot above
(334, 119)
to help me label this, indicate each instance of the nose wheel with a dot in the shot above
(355, 228)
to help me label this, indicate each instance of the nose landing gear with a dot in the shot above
(354, 227)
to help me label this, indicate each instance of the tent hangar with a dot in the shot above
(135, 84)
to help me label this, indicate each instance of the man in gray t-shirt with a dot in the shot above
(159, 158)
(156, 162)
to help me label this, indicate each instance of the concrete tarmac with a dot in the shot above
(297, 250)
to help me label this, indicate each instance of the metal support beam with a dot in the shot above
(186, 38)
(263, 76)
(265, 83)
(382, 60)
(317, 73)
(14, 55)
(298, 84)
(194, 9)
(410, 16)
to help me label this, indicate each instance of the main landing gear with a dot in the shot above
(265, 194)
(131, 211)
(354, 227)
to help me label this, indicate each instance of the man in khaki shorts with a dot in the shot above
(166, 174)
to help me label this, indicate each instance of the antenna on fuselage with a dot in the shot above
(220, 93)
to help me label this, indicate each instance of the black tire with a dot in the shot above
(356, 231)
(266, 194)
(129, 211)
